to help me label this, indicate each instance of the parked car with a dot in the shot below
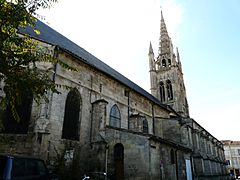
(23, 168)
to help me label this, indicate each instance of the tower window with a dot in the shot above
(71, 116)
(145, 125)
(164, 64)
(169, 62)
(169, 90)
(115, 117)
(162, 92)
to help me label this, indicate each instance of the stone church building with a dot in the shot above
(107, 123)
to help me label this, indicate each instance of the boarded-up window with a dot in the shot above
(115, 117)
(71, 116)
(10, 124)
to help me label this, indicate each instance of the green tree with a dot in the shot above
(19, 54)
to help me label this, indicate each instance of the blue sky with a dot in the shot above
(210, 53)
(206, 33)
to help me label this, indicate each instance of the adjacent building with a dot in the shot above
(232, 155)
(107, 123)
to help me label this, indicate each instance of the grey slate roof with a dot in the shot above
(50, 36)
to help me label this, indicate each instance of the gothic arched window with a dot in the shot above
(71, 116)
(169, 90)
(115, 117)
(11, 125)
(162, 92)
(169, 62)
(145, 125)
(164, 64)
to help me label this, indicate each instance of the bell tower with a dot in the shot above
(166, 75)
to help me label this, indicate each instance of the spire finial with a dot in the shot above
(162, 19)
(150, 48)
(161, 12)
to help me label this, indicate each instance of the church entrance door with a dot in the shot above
(119, 161)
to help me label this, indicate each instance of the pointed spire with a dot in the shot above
(164, 41)
(162, 19)
(150, 48)
(163, 30)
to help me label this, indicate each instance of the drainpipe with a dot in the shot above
(90, 99)
(149, 159)
(176, 161)
(106, 158)
(55, 55)
(192, 167)
(128, 107)
(153, 119)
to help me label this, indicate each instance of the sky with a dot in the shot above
(206, 33)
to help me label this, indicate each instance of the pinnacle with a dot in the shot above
(150, 48)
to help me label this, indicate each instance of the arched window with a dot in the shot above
(169, 90)
(119, 161)
(172, 156)
(164, 64)
(11, 125)
(162, 92)
(169, 62)
(145, 125)
(115, 117)
(71, 116)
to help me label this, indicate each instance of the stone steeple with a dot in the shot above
(164, 41)
(166, 75)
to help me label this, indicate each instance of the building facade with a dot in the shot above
(232, 155)
(107, 123)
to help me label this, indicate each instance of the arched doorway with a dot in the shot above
(119, 161)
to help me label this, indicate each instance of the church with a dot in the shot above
(107, 123)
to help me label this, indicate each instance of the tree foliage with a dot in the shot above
(19, 54)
